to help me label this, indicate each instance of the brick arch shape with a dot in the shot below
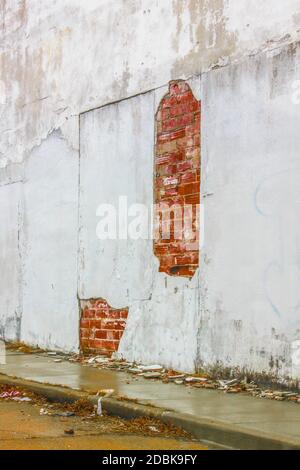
(177, 181)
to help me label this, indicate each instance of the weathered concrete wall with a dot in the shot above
(71, 56)
(250, 263)
(241, 307)
(10, 262)
(39, 240)
(50, 310)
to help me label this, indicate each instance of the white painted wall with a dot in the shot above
(50, 313)
(10, 265)
(116, 159)
(250, 274)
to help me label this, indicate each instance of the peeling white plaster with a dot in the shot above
(50, 311)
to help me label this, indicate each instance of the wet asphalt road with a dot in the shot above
(22, 427)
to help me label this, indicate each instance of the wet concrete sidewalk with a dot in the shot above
(281, 419)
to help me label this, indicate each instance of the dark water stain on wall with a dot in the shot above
(207, 32)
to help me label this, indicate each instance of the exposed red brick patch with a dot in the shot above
(177, 177)
(101, 327)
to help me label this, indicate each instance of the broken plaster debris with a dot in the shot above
(196, 379)
(202, 381)
(150, 375)
(172, 377)
(24, 399)
(178, 382)
(154, 368)
(153, 429)
(157, 372)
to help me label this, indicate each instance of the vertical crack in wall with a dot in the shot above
(177, 181)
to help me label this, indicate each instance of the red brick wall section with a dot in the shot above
(101, 327)
(177, 174)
